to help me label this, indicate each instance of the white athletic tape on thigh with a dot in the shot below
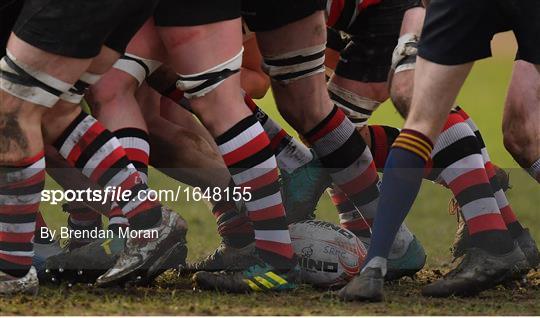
(138, 67)
(200, 84)
(357, 108)
(404, 56)
(28, 84)
(76, 92)
(296, 65)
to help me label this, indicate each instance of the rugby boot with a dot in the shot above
(479, 270)
(28, 284)
(84, 264)
(259, 277)
(42, 252)
(143, 258)
(529, 247)
(525, 241)
(302, 189)
(224, 258)
(367, 286)
(409, 264)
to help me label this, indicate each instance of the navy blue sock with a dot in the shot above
(401, 182)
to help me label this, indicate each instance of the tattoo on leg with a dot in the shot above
(12, 137)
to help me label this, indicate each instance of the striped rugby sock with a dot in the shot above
(236, 230)
(457, 153)
(343, 152)
(400, 185)
(136, 143)
(246, 151)
(88, 146)
(505, 208)
(20, 194)
(290, 153)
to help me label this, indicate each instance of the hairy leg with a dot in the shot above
(521, 116)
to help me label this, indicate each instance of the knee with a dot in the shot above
(111, 89)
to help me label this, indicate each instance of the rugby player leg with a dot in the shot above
(401, 90)
(436, 87)
(359, 86)
(212, 84)
(32, 80)
(184, 150)
(297, 164)
(521, 116)
(293, 52)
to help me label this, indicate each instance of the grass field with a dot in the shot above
(482, 97)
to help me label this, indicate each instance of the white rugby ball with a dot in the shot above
(329, 255)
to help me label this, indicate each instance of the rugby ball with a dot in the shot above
(329, 256)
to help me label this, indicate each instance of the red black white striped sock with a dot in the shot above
(20, 194)
(457, 154)
(290, 152)
(88, 146)
(507, 212)
(246, 151)
(236, 230)
(136, 143)
(343, 152)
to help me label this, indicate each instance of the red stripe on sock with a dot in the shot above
(19, 209)
(267, 213)
(90, 135)
(463, 114)
(106, 163)
(361, 182)
(338, 197)
(358, 224)
(247, 150)
(282, 249)
(21, 260)
(486, 222)
(452, 120)
(332, 124)
(12, 237)
(467, 180)
(490, 169)
(508, 215)
(138, 155)
(265, 179)
(37, 178)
